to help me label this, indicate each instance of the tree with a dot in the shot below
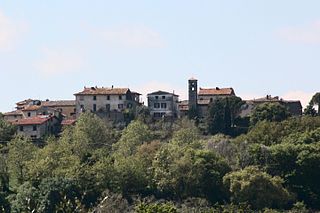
(269, 112)
(222, 114)
(257, 188)
(134, 135)
(309, 110)
(316, 101)
(20, 152)
(181, 172)
(7, 130)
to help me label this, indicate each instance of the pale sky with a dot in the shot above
(52, 49)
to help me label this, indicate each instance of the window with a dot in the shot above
(34, 128)
(108, 107)
(157, 97)
(162, 114)
(94, 98)
(33, 137)
(163, 97)
(120, 106)
(211, 99)
(108, 97)
(21, 128)
(81, 98)
(129, 105)
(163, 105)
(29, 114)
(157, 115)
(94, 107)
(120, 97)
(156, 105)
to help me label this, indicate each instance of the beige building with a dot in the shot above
(163, 104)
(108, 103)
(38, 126)
(66, 107)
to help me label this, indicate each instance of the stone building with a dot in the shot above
(66, 107)
(38, 126)
(199, 101)
(107, 103)
(163, 104)
(293, 106)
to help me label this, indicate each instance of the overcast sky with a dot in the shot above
(51, 49)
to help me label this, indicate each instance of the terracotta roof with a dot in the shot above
(103, 91)
(59, 103)
(68, 122)
(162, 93)
(24, 102)
(37, 120)
(32, 108)
(16, 112)
(216, 91)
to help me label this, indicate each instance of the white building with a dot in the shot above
(163, 104)
(108, 103)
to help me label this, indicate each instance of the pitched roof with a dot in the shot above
(16, 112)
(37, 120)
(216, 91)
(59, 103)
(32, 108)
(103, 91)
(24, 102)
(162, 93)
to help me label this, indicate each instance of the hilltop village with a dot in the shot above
(37, 118)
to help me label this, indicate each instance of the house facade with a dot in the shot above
(38, 126)
(107, 103)
(163, 104)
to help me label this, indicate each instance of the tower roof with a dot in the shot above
(192, 79)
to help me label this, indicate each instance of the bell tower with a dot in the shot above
(193, 94)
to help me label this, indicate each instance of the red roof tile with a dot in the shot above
(16, 112)
(216, 91)
(103, 91)
(59, 103)
(33, 120)
(31, 108)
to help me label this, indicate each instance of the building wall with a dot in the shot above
(168, 105)
(68, 111)
(12, 117)
(103, 105)
(28, 131)
(49, 127)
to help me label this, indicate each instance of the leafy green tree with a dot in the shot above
(257, 188)
(20, 152)
(7, 131)
(222, 114)
(92, 132)
(134, 135)
(26, 199)
(316, 101)
(269, 112)
(309, 110)
(155, 208)
(183, 172)
(216, 119)
(4, 174)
